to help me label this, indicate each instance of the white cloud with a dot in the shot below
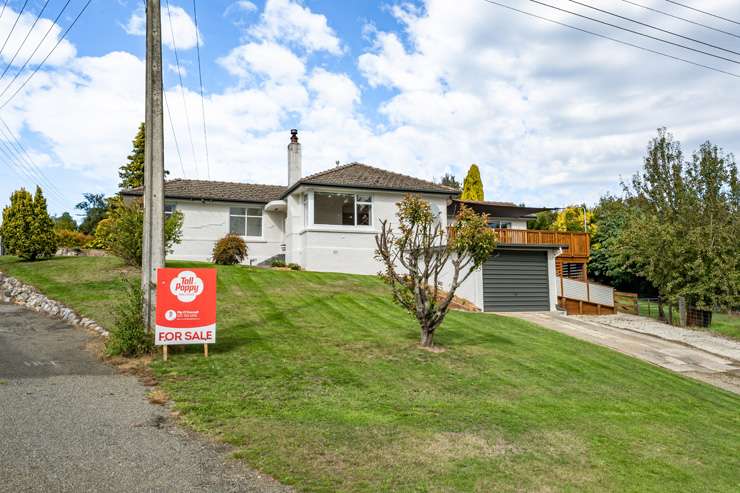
(287, 21)
(175, 22)
(64, 52)
(177, 69)
(266, 59)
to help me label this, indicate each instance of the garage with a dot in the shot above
(516, 281)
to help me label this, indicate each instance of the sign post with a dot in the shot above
(186, 308)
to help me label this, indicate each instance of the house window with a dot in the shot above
(343, 209)
(245, 221)
(305, 209)
(168, 210)
(500, 224)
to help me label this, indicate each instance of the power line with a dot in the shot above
(703, 12)
(13, 28)
(679, 45)
(182, 89)
(174, 135)
(24, 39)
(38, 67)
(17, 161)
(38, 45)
(653, 27)
(202, 100)
(603, 36)
(28, 161)
(681, 18)
(3, 11)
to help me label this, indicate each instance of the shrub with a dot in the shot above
(277, 263)
(67, 238)
(27, 230)
(123, 234)
(230, 250)
(129, 337)
(294, 266)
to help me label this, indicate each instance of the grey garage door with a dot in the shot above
(515, 281)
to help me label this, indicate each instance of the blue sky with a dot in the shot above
(552, 116)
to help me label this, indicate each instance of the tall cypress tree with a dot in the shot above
(27, 229)
(473, 185)
(42, 231)
(132, 173)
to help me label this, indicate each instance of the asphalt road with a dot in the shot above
(69, 422)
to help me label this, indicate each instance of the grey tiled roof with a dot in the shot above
(223, 191)
(357, 175)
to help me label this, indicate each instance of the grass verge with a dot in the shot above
(316, 379)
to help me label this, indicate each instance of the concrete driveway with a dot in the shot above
(71, 423)
(717, 369)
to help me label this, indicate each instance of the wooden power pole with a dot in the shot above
(153, 240)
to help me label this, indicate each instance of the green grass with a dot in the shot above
(317, 380)
(724, 324)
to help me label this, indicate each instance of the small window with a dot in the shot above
(168, 210)
(245, 221)
(342, 209)
(500, 224)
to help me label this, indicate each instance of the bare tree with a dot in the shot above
(416, 255)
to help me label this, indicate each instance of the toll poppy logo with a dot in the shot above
(186, 286)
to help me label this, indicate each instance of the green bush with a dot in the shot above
(230, 250)
(129, 337)
(67, 238)
(27, 230)
(294, 267)
(122, 231)
(277, 263)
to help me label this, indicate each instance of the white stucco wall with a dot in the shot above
(349, 249)
(204, 223)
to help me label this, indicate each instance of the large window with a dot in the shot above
(494, 223)
(342, 209)
(245, 221)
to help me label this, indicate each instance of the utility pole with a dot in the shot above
(153, 240)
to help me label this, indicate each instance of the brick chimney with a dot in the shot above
(294, 158)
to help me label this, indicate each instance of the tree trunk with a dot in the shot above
(427, 338)
(661, 313)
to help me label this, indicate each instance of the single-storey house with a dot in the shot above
(327, 222)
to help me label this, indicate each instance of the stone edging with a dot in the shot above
(14, 291)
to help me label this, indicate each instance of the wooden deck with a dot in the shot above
(575, 245)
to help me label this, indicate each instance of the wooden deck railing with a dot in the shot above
(577, 244)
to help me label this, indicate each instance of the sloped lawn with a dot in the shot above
(316, 380)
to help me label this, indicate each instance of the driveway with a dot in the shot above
(718, 368)
(69, 422)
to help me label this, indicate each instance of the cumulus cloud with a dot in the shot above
(175, 22)
(42, 39)
(269, 60)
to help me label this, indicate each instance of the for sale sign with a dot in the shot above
(186, 306)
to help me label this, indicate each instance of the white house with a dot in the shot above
(328, 221)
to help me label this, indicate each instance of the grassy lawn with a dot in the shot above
(723, 324)
(316, 379)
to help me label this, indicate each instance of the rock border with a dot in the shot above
(14, 291)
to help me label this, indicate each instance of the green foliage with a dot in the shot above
(72, 239)
(682, 233)
(122, 236)
(449, 180)
(293, 266)
(229, 250)
(27, 230)
(95, 207)
(132, 173)
(543, 220)
(128, 336)
(65, 221)
(419, 253)
(278, 263)
(473, 185)
(571, 219)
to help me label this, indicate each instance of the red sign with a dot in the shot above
(186, 306)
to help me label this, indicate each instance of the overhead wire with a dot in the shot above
(202, 99)
(703, 12)
(615, 40)
(668, 14)
(20, 46)
(13, 27)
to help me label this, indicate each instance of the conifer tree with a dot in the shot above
(27, 230)
(473, 185)
(132, 173)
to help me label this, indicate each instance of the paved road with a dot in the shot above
(71, 423)
(716, 369)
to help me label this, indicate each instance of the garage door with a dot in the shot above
(516, 281)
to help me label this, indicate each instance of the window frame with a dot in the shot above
(246, 215)
(311, 213)
(168, 214)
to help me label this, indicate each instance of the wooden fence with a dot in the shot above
(626, 302)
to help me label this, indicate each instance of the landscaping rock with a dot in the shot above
(14, 291)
